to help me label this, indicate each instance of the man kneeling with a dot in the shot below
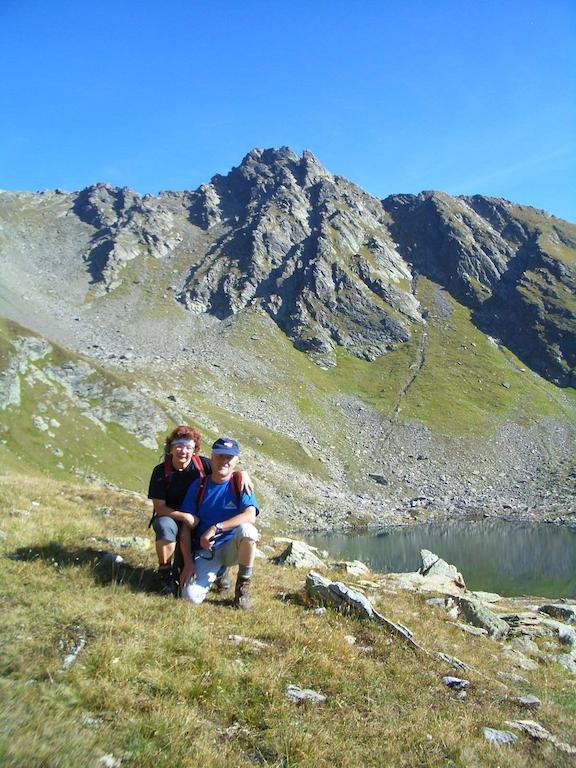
(225, 534)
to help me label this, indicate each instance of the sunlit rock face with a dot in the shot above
(313, 250)
(513, 265)
(330, 264)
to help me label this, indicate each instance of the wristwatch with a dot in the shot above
(218, 527)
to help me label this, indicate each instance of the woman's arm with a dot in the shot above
(162, 509)
(246, 484)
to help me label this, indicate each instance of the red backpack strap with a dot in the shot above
(198, 464)
(167, 467)
(200, 493)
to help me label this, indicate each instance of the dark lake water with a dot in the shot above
(492, 555)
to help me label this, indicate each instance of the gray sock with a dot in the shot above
(244, 571)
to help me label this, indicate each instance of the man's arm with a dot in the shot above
(248, 515)
(162, 509)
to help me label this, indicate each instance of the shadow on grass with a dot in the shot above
(295, 598)
(103, 565)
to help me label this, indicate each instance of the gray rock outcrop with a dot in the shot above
(299, 555)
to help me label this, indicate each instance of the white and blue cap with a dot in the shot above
(226, 445)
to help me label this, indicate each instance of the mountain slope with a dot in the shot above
(368, 354)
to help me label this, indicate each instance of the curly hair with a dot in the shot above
(190, 433)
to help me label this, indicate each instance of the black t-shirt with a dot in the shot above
(172, 490)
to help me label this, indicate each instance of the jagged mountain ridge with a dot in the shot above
(143, 286)
(333, 265)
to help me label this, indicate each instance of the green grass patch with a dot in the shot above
(468, 384)
(159, 683)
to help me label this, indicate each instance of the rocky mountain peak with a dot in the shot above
(329, 263)
(126, 226)
(512, 265)
(310, 249)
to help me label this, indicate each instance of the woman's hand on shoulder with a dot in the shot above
(246, 482)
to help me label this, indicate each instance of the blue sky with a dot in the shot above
(462, 96)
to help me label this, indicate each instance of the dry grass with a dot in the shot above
(158, 683)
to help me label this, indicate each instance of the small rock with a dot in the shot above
(518, 658)
(568, 661)
(92, 722)
(513, 678)
(497, 737)
(350, 639)
(71, 657)
(452, 660)
(109, 761)
(379, 479)
(353, 567)
(487, 597)
(526, 702)
(539, 733)
(567, 635)
(479, 615)
(470, 630)
(300, 695)
(256, 645)
(525, 645)
(128, 542)
(456, 683)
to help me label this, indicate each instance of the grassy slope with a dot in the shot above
(458, 392)
(468, 384)
(113, 454)
(159, 684)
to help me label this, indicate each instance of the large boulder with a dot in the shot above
(432, 565)
(352, 567)
(563, 611)
(476, 613)
(299, 555)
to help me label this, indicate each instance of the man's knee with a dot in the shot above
(247, 531)
(194, 593)
(165, 528)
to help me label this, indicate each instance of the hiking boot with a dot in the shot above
(168, 583)
(242, 594)
(222, 583)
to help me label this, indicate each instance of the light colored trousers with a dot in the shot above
(207, 567)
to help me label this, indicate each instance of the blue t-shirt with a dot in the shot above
(219, 504)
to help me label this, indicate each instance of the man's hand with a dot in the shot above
(187, 573)
(207, 538)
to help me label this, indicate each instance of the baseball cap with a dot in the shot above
(226, 445)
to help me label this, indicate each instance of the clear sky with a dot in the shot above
(464, 96)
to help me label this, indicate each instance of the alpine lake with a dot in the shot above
(510, 558)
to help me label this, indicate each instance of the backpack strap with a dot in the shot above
(236, 482)
(200, 493)
(197, 461)
(237, 485)
(168, 467)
